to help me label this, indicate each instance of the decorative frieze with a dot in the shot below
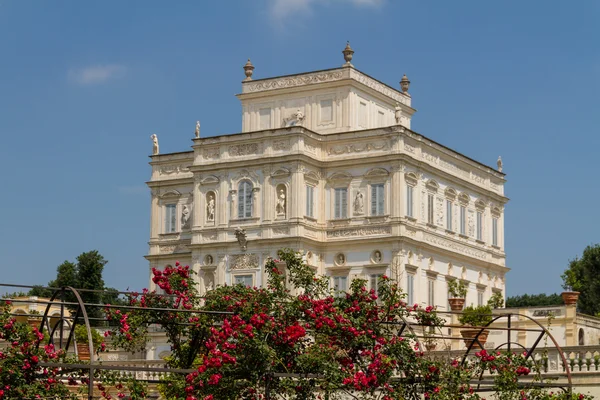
(292, 81)
(379, 87)
(357, 232)
(173, 169)
(408, 148)
(358, 148)
(172, 248)
(281, 230)
(457, 247)
(243, 149)
(243, 261)
(211, 153)
(281, 145)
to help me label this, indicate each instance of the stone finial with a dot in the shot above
(197, 132)
(404, 84)
(499, 163)
(155, 150)
(248, 70)
(348, 52)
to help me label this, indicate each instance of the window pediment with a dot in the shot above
(210, 180)
(480, 205)
(432, 185)
(411, 178)
(280, 173)
(377, 173)
(339, 177)
(464, 198)
(170, 194)
(450, 193)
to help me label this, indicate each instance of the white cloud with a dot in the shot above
(96, 74)
(282, 9)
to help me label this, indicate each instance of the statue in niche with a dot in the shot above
(155, 149)
(185, 217)
(210, 208)
(359, 203)
(209, 283)
(398, 114)
(280, 207)
(295, 119)
(197, 132)
(240, 235)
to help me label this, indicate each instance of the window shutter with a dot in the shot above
(241, 196)
(248, 200)
(380, 210)
(373, 200)
(337, 203)
(344, 203)
(409, 201)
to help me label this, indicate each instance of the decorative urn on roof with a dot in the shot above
(348, 52)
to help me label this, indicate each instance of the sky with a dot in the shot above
(83, 85)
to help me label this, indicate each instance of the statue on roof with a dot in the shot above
(154, 144)
(295, 119)
(197, 129)
(499, 163)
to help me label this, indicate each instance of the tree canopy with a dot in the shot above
(583, 275)
(86, 273)
(534, 300)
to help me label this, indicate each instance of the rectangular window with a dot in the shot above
(341, 203)
(479, 226)
(448, 215)
(340, 284)
(495, 231)
(326, 110)
(479, 298)
(463, 220)
(245, 200)
(430, 206)
(380, 119)
(362, 115)
(410, 289)
(377, 199)
(310, 194)
(170, 218)
(246, 280)
(265, 118)
(374, 281)
(409, 201)
(431, 292)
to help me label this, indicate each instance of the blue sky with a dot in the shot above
(84, 84)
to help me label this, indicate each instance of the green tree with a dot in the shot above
(534, 300)
(583, 275)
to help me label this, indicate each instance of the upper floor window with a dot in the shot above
(495, 231)
(463, 220)
(245, 199)
(431, 292)
(340, 285)
(449, 215)
(430, 208)
(374, 282)
(410, 289)
(377, 199)
(479, 225)
(246, 280)
(170, 218)
(479, 298)
(409, 200)
(341, 203)
(265, 118)
(310, 198)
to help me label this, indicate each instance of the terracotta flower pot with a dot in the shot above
(469, 335)
(456, 304)
(570, 298)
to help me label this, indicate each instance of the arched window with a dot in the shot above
(245, 199)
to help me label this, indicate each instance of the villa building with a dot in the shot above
(326, 162)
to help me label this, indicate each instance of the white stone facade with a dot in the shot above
(326, 163)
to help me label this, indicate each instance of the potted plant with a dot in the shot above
(475, 318)
(81, 339)
(496, 301)
(457, 290)
(570, 296)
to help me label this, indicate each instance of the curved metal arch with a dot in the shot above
(543, 331)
